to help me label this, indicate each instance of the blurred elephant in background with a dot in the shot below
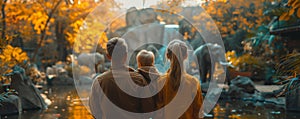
(92, 60)
(207, 56)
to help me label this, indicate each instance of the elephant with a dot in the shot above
(206, 64)
(92, 60)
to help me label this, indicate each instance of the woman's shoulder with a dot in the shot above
(162, 77)
(191, 79)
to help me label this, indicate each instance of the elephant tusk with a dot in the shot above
(226, 64)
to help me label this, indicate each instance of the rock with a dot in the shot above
(147, 16)
(62, 80)
(135, 18)
(241, 87)
(292, 95)
(131, 17)
(29, 95)
(10, 104)
(35, 75)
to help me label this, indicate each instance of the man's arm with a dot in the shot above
(94, 100)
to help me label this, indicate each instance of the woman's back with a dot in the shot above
(181, 95)
(187, 97)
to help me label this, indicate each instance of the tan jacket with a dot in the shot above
(115, 101)
(149, 72)
(151, 75)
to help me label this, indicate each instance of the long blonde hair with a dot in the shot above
(176, 53)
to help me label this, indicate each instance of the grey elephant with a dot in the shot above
(92, 60)
(206, 64)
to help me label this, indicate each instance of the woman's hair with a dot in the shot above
(176, 53)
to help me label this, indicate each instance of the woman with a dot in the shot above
(179, 86)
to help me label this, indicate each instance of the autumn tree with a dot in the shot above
(292, 12)
(31, 21)
(50, 25)
(236, 19)
(86, 34)
(287, 12)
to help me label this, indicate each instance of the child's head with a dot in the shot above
(145, 58)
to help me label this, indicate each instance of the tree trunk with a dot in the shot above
(3, 20)
(61, 40)
(43, 33)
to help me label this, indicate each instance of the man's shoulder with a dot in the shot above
(138, 78)
(104, 77)
(107, 77)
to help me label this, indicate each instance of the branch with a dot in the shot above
(43, 33)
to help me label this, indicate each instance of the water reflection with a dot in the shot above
(66, 104)
(234, 109)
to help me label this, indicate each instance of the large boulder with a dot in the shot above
(10, 104)
(59, 77)
(62, 80)
(29, 95)
(147, 16)
(134, 18)
(131, 17)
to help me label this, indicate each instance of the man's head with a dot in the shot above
(145, 58)
(117, 50)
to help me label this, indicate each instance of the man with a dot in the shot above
(108, 99)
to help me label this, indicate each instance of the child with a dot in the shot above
(145, 60)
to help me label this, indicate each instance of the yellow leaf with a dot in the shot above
(18, 50)
(48, 4)
(2, 57)
(14, 54)
(7, 59)
(52, 20)
(17, 57)
(103, 40)
(8, 71)
(48, 33)
(9, 47)
(291, 12)
(284, 17)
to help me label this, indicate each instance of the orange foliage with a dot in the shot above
(233, 15)
(11, 56)
(293, 10)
